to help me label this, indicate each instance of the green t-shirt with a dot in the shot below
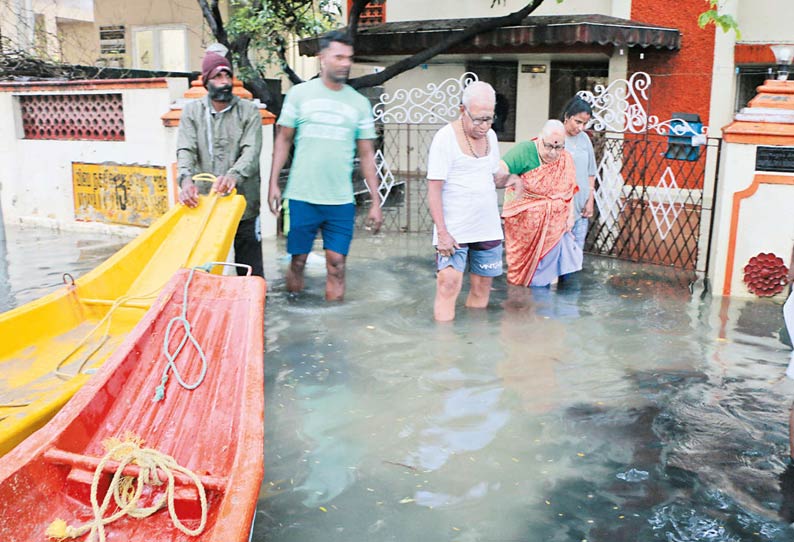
(522, 157)
(327, 124)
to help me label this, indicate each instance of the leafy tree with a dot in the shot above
(713, 16)
(263, 27)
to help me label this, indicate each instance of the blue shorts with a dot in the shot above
(335, 221)
(484, 259)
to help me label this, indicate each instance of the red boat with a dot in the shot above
(209, 439)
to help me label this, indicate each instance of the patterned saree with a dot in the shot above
(536, 221)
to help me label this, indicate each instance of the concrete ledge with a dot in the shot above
(116, 230)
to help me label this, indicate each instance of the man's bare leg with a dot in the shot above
(295, 280)
(448, 284)
(335, 277)
(480, 291)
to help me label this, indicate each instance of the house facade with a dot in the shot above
(167, 36)
(148, 35)
(646, 66)
(570, 46)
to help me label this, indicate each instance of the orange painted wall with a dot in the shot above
(681, 80)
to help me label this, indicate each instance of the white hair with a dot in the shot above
(478, 89)
(551, 127)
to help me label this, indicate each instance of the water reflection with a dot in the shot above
(526, 422)
(530, 420)
(33, 260)
(6, 297)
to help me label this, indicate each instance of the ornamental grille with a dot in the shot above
(648, 207)
(373, 13)
(98, 117)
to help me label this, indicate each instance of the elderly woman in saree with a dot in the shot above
(539, 211)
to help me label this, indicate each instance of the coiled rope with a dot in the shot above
(159, 393)
(106, 320)
(213, 199)
(126, 491)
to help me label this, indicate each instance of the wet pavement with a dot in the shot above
(620, 407)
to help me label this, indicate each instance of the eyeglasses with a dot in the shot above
(551, 148)
(478, 121)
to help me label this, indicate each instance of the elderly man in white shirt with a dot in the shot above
(463, 174)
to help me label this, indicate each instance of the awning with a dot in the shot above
(407, 37)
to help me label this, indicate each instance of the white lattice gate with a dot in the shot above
(651, 180)
(406, 121)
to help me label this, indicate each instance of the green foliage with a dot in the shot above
(269, 24)
(724, 21)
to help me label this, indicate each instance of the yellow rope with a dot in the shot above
(213, 197)
(127, 490)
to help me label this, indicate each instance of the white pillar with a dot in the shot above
(268, 219)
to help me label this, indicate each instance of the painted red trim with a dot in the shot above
(753, 53)
(748, 192)
(94, 84)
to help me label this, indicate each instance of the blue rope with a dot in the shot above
(159, 393)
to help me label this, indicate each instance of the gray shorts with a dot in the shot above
(484, 259)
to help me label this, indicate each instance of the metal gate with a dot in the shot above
(656, 180)
(406, 122)
(655, 184)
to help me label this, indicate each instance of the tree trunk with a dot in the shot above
(259, 89)
(256, 83)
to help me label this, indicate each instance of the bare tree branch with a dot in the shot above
(406, 64)
(238, 49)
(216, 25)
(282, 55)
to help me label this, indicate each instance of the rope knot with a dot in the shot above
(126, 490)
(181, 319)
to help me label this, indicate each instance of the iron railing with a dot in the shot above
(650, 199)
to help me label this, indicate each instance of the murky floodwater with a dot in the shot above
(33, 260)
(622, 410)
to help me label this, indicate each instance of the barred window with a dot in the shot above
(111, 40)
(98, 117)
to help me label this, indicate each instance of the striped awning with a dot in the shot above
(407, 37)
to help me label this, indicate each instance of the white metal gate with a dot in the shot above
(406, 122)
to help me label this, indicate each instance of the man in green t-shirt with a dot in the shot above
(329, 122)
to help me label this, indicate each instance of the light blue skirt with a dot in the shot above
(565, 257)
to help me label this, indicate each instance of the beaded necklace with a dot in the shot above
(471, 148)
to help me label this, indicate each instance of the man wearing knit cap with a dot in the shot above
(222, 134)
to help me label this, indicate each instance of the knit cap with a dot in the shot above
(214, 61)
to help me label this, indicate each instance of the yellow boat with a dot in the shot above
(51, 346)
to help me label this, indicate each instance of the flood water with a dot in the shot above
(624, 409)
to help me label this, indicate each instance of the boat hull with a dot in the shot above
(46, 354)
(215, 430)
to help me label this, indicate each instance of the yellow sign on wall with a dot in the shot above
(119, 194)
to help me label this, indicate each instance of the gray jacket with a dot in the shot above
(233, 148)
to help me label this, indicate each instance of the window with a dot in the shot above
(373, 13)
(160, 48)
(503, 77)
(568, 78)
(748, 79)
(111, 40)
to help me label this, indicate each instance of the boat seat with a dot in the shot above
(110, 302)
(81, 477)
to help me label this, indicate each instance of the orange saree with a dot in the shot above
(535, 222)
